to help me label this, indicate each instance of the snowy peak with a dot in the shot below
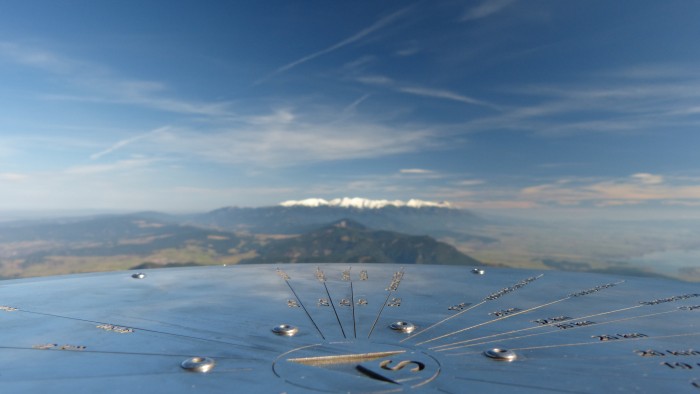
(363, 203)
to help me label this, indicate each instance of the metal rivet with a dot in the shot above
(286, 330)
(198, 364)
(501, 354)
(138, 275)
(478, 271)
(402, 326)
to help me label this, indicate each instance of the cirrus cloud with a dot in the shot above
(636, 189)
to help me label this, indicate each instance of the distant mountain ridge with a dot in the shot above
(293, 217)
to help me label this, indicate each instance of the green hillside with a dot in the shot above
(347, 241)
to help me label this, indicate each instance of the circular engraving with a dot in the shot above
(356, 366)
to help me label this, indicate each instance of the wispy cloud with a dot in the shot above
(657, 71)
(570, 194)
(648, 179)
(600, 105)
(36, 58)
(561, 165)
(125, 142)
(128, 185)
(383, 81)
(378, 25)
(98, 84)
(294, 146)
(638, 188)
(408, 51)
(353, 106)
(375, 80)
(418, 171)
(487, 8)
(444, 94)
(359, 65)
(496, 204)
(470, 182)
(277, 118)
(286, 138)
(121, 165)
(141, 94)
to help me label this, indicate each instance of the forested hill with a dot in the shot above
(349, 241)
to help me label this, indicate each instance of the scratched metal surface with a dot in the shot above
(570, 332)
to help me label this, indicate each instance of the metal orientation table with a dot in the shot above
(292, 328)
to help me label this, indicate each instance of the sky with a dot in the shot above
(559, 107)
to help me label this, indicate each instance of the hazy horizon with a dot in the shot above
(543, 214)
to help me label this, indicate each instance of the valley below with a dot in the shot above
(290, 235)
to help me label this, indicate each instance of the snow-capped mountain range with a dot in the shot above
(416, 217)
(363, 203)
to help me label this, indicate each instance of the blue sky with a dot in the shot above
(531, 106)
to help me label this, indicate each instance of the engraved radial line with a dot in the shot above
(343, 358)
(393, 286)
(589, 343)
(379, 314)
(139, 329)
(304, 308)
(352, 299)
(519, 385)
(442, 321)
(443, 348)
(88, 351)
(491, 297)
(334, 310)
(515, 287)
(539, 327)
(493, 321)
(619, 341)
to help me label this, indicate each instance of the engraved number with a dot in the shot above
(649, 353)
(458, 307)
(619, 336)
(394, 302)
(678, 365)
(419, 366)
